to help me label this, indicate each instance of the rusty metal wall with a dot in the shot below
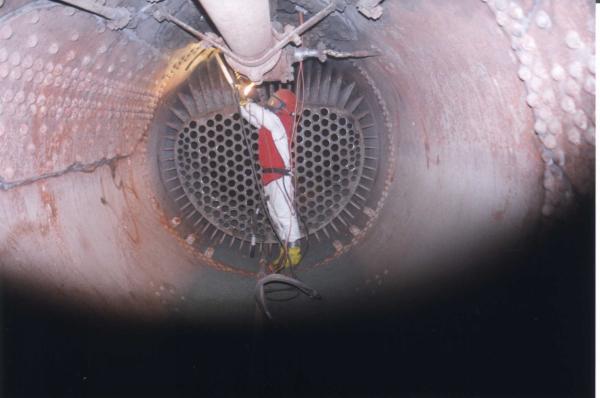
(472, 168)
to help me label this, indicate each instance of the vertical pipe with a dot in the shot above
(244, 24)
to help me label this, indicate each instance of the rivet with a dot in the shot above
(544, 113)
(533, 100)
(555, 126)
(572, 87)
(190, 239)
(592, 64)
(580, 119)
(70, 55)
(501, 18)
(536, 84)
(27, 61)
(516, 12)
(548, 96)
(542, 20)
(15, 73)
(516, 29)
(547, 156)
(28, 75)
(540, 70)
(558, 73)
(549, 141)
(8, 95)
(9, 172)
(540, 127)
(74, 36)
(48, 80)
(14, 59)
(38, 65)
(501, 5)
(547, 210)
(49, 67)
(34, 18)
(549, 181)
(590, 85)
(175, 221)
(68, 11)
(53, 48)
(567, 104)
(573, 40)
(32, 41)
(590, 135)
(528, 43)
(574, 136)
(338, 245)
(58, 70)
(3, 54)
(576, 70)
(524, 57)
(6, 32)
(524, 73)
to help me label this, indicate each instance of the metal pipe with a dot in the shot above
(244, 24)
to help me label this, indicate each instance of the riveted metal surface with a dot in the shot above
(462, 163)
(557, 66)
(68, 83)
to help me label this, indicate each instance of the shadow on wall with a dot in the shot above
(527, 332)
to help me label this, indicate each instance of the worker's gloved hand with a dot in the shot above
(289, 259)
(246, 94)
(244, 100)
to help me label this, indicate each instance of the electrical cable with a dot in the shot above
(293, 282)
(254, 174)
(286, 280)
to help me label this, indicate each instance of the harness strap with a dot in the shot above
(275, 170)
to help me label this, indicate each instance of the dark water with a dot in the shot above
(526, 332)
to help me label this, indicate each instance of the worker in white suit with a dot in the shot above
(275, 126)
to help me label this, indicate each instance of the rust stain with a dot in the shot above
(23, 228)
(126, 217)
(134, 236)
(425, 142)
(84, 243)
(498, 215)
(49, 202)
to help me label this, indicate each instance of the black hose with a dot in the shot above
(259, 290)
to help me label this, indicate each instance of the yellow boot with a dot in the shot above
(289, 259)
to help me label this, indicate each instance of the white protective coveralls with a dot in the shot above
(279, 192)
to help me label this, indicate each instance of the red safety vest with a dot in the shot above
(268, 156)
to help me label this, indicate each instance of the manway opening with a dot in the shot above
(341, 161)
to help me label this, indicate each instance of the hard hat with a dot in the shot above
(286, 99)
